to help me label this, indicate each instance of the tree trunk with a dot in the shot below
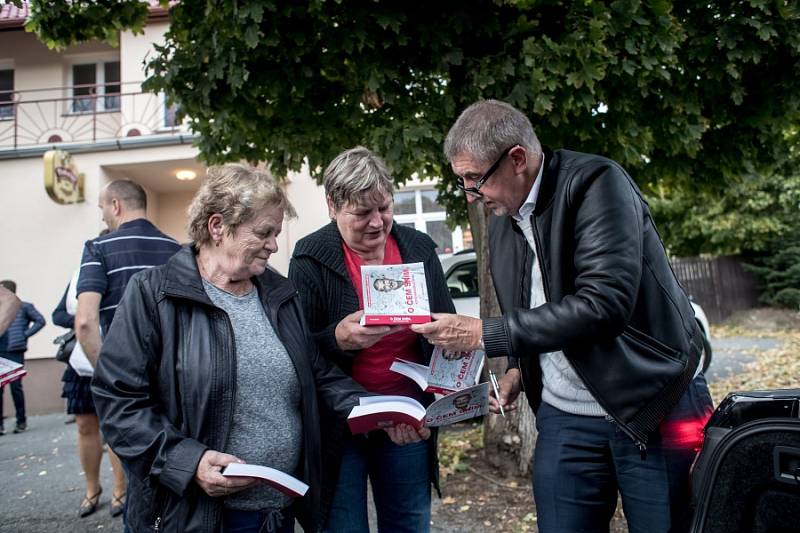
(509, 441)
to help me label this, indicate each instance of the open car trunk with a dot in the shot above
(747, 475)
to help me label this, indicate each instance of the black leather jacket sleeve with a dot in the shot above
(314, 305)
(126, 395)
(335, 389)
(607, 267)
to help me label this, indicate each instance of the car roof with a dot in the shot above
(450, 260)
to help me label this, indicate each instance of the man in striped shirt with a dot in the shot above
(109, 261)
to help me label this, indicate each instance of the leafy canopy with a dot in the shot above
(59, 23)
(754, 216)
(684, 94)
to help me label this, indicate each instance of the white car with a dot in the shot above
(461, 274)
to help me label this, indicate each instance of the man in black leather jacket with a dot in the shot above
(597, 329)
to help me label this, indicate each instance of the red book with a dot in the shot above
(381, 412)
(10, 371)
(449, 371)
(394, 294)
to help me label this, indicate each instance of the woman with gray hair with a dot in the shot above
(209, 362)
(325, 267)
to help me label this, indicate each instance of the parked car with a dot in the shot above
(461, 274)
(746, 477)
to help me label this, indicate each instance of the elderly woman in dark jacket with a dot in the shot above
(208, 362)
(325, 267)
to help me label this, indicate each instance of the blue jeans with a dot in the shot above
(17, 394)
(581, 463)
(400, 486)
(234, 521)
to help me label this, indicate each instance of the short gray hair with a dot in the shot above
(486, 128)
(237, 192)
(130, 193)
(354, 173)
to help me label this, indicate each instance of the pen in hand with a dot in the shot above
(493, 380)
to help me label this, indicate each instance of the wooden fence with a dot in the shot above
(720, 285)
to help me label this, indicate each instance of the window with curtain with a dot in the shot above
(96, 86)
(6, 94)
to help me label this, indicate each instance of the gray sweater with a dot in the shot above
(266, 427)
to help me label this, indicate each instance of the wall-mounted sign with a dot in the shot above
(63, 182)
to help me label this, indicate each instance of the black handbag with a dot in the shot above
(66, 343)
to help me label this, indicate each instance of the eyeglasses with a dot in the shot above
(476, 190)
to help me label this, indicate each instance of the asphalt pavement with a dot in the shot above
(43, 480)
(730, 355)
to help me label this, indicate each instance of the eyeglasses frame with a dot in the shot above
(475, 191)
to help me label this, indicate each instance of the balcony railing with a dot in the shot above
(88, 114)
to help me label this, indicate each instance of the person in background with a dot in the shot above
(9, 305)
(13, 345)
(325, 268)
(107, 264)
(209, 361)
(77, 393)
(597, 329)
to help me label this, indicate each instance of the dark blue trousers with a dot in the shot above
(401, 486)
(582, 462)
(17, 395)
(257, 521)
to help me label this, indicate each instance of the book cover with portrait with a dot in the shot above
(381, 412)
(10, 371)
(449, 371)
(395, 295)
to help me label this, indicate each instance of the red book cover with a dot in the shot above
(10, 371)
(381, 412)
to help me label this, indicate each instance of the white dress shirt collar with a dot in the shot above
(530, 202)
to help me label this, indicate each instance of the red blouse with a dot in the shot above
(371, 365)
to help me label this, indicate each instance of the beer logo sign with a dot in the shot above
(62, 181)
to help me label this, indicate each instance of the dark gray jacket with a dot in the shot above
(27, 323)
(614, 305)
(165, 390)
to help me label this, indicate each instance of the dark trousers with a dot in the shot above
(234, 521)
(582, 462)
(401, 486)
(16, 390)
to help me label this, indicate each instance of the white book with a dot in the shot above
(394, 295)
(281, 481)
(449, 371)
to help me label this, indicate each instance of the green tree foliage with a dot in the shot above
(748, 217)
(779, 273)
(59, 23)
(683, 94)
